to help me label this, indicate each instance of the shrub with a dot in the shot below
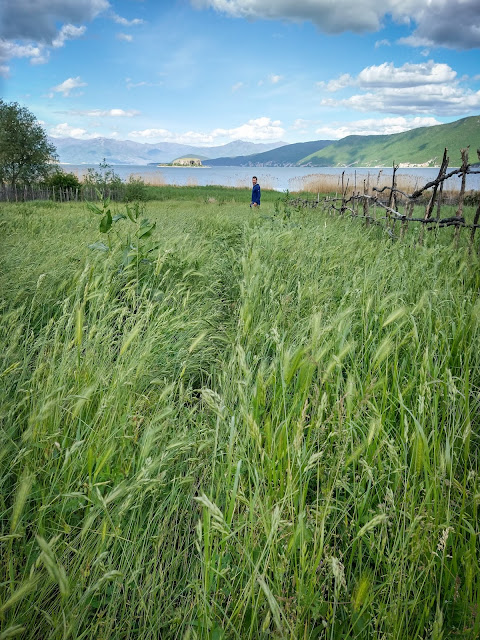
(104, 180)
(63, 180)
(135, 190)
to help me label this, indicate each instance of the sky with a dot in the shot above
(207, 72)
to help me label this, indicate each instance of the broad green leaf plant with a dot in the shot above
(128, 233)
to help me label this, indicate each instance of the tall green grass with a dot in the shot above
(272, 434)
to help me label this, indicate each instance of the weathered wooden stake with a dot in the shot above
(474, 228)
(459, 214)
(366, 201)
(431, 202)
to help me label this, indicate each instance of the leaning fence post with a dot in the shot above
(441, 173)
(431, 202)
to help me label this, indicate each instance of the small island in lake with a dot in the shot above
(184, 161)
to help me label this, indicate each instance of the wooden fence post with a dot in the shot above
(441, 173)
(365, 201)
(392, 199)
(459, 214)
(474, 228)
(431, 202)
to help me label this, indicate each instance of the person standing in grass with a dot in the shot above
(255, 193)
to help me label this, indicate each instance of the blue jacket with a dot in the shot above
(256, 194)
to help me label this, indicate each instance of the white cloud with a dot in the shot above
(438, 99)
(41, 59)
(64, 130)
(300, 124)
(68, 85)
(237, 86)
(125, 36)
(127, 23)
(382, 43)
(118, 113)
(4, 71)
(108, 113)
(409, 75)
(373, 126)
(67, 32)
(425, 88)
(130, 84)
(255, 130)
(8, 50)
(449, 23)
(151, 134)
(345, 80)
(387, 75)
(274, 79)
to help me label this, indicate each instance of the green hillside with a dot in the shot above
(286, 155)
(418, 146)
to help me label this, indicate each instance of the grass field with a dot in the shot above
(271, 430)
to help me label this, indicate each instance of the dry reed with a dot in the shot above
(331, 183)
(152, 179)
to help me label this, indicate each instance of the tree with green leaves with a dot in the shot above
(26, 155)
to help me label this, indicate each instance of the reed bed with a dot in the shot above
(332, 183)
(270, 433)
(152, 179)
(267, 181)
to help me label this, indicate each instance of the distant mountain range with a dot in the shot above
(73, 151)
(423, 146)
(420, 147)
(287, 155)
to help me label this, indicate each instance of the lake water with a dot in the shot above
(277, 178)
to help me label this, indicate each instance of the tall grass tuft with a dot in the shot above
(272, 433)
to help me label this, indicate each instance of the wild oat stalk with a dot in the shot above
(273, 433)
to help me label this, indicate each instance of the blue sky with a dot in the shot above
(207, 72)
